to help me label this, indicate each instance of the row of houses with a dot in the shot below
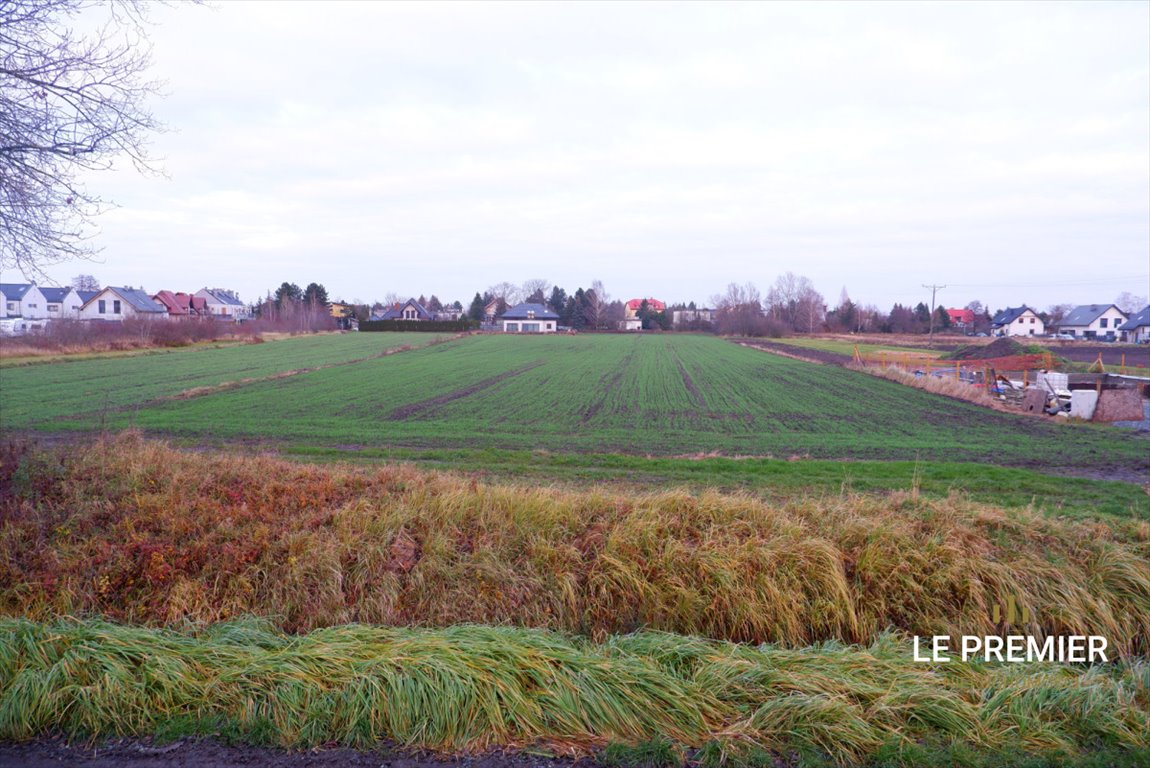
(36, 305)
(1100, 322)
(529, 317)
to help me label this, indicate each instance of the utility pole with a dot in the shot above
(933, 290)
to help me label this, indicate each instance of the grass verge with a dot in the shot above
(470, 688)
(777, 479)
(142, 533)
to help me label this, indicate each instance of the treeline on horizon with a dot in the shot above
(791, 305)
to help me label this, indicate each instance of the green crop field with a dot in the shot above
(658, 395)
(33, 395)
(688, 410)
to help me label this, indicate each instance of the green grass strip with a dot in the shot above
(474, 687)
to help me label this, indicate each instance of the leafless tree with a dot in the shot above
(794, 301)
(739, 311)
(1056, 312)
(597, 300)
(509, 292)
(69, 103)
(536, 289)
(85, 283)
(1129, 303)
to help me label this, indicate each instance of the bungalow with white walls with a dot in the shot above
(118, 303)
(1093, 321)
(1018, 321)
(1137, 328)
(23, 300)
(529, 318)
(62, 303)
(223, 304)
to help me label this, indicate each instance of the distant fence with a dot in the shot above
(961, 370)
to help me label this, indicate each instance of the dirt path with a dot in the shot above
(43, 753)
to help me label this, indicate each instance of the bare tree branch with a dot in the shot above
(68, 103)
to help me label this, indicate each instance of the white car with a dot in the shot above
(12, 326)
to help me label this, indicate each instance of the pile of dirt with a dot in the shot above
(1003, 347)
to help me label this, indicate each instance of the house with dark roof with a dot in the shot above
(1137, 328)
(23, 300)
(530, 318)
(1017, 321)
(408, 310)
(223, 304)
(1093, 321)
(118, 303)
(61, 303)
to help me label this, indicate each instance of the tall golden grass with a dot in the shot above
(477, 688)
(139, 532)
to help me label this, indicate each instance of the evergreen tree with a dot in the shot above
(477, 308)
(558, 300)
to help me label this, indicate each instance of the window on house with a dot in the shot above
(53, 307)
(1032, 321)
(103, 307)
(513, 327)
(11, 306)
(531, 327)
(1102, 323)
(33, 306)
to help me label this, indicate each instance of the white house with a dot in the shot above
(530, 318)
(682, 318)
(1137, 328)
(62, 303)
(1018, 321)
(223, 304)
(24, 300)
(1094, 321)
(117, 303)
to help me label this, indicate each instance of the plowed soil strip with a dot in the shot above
(417, 409)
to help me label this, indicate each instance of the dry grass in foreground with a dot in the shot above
(139, 532)
(476, 688)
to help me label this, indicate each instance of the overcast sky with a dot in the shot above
(667, 149)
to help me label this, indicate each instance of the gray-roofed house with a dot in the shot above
(1017, 321)
(529, 318)
(1137, 328)
(224, 304)
(62, 303)
(118, 303)
(1093, 321)
(408, 310)
(23, 300)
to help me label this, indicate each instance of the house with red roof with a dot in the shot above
(961, 318)
(181, 305)
(631, 320)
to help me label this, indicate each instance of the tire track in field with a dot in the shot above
(689, 383)
(607, 382)
(194, 392)
(423, 406)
